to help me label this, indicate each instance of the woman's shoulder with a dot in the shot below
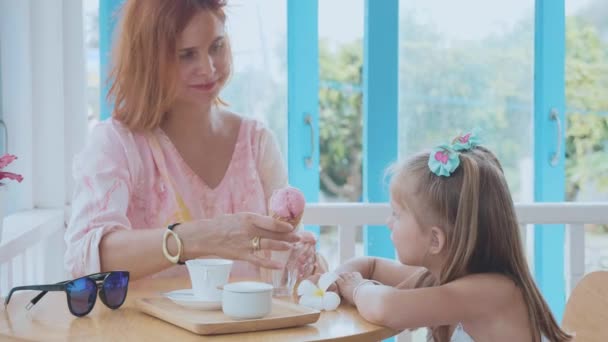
(252, 125)
(254, 131)
(111, 133)
(111, 142)
(106, 132)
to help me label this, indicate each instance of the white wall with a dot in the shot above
(43, 91)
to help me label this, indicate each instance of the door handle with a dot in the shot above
(554, 160)
(308, 160)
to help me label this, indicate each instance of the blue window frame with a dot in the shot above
(303, 98)
(380, 111)
(108, 10)
(549, 175)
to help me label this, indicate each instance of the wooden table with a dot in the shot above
(50, 320)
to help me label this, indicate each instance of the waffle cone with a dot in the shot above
(295, 222)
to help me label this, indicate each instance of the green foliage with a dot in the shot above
(586, 97)
(340, 127)
(450, 87)
(446, 88)
(443, 89)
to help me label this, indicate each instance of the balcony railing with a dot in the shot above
(36, 255)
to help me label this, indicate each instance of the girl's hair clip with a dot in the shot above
(466, 141)
(443, 160)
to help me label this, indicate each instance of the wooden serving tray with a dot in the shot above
(283, 315)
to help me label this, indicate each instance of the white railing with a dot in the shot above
(31, 248)
(35, 254)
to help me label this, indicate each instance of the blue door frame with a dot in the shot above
(549, 175)
(108, 17)
(303, 98)
(380, 111)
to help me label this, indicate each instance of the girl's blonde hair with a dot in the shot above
(145, 60)
(473, 206)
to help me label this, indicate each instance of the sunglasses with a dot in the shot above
(82, 292)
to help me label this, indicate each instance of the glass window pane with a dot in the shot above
(340, 111)
(340, 97)
(469, 64)
(258, 86)
(587, 116)
(90, 10)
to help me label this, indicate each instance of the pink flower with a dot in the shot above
(442, 157)
(4, 161)
(465, 138)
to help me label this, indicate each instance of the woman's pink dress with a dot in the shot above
(126, 180)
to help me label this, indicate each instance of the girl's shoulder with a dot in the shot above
(483, 293)
(486, 283)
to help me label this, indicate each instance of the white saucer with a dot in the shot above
(186, 298)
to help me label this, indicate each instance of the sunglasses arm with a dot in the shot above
(35, 300)
(45, 288)
(41, 294)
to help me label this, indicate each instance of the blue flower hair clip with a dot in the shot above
(443, 160)
(466, 141)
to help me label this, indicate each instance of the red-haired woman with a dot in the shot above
(173, 155)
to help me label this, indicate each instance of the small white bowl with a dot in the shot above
(247, 300)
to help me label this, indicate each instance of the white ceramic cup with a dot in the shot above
(247, 300)
(207, 275)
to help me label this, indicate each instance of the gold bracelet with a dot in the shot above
(173, 258)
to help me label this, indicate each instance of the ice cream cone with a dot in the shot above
(295, 222)
(287, 204)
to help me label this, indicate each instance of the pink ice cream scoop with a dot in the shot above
(287, 204)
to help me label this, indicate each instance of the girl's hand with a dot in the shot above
(347, 282)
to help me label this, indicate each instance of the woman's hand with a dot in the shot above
(347, 282)
(231, 237)
(305, 255)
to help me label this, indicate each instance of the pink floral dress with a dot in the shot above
(127, 180)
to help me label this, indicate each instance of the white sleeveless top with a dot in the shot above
(460, 335)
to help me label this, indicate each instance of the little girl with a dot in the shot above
(462, 270)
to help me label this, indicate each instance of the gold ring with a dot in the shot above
(255, 243)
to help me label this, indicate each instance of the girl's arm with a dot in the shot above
(465, 299)
(388, 272)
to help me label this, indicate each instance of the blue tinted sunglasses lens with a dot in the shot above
(82, 294)
(115, 288)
